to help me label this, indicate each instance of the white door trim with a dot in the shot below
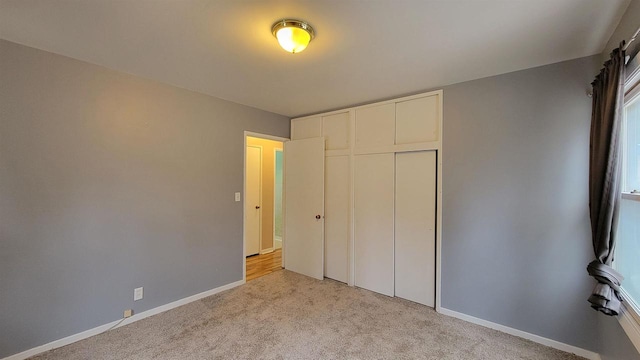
(244, 191)
(263, 136)
(275, 151)
(439, 185)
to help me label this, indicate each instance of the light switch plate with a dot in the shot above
(138, 293)
(237, 196)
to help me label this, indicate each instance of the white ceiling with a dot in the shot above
(364, 50)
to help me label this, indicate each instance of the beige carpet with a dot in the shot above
(288, 316)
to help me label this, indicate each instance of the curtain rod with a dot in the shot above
(626, 46)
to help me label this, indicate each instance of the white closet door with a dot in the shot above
(417, 120)
(336, 222)
(415, 237)
(374, 197)
(306, 128)
(304, 207)
(375, 126)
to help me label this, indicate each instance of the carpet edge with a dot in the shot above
(522, 334)
(116, 324)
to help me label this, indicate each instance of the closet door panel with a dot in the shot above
(417, 120)
(415, 223)
(306, 128)
(335, 128)
(374, 203)
(375, 126)
(336, 222)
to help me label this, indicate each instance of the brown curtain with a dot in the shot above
(604, 180)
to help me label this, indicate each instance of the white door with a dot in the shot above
(374, 198)
(336, 222)
(304, 207)
(415, 227)
(253, 200)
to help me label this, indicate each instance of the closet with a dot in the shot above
(382, 194)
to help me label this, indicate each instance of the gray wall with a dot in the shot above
(109, 182)
(516, 233)
(624, 31)
(614, 342)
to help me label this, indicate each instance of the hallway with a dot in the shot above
(261, 265)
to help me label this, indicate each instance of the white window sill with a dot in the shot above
(631, 196)
(630, 320)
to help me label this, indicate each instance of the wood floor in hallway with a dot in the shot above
(261, 265)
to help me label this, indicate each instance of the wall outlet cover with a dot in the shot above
(128, 313)
(138, 293)
(237, 196)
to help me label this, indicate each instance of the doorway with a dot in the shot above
(263, 219)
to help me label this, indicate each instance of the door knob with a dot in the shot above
(257, 207)
(318, 217)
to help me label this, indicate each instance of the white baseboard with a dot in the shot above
(523, 334)
(266, 251)
(102, 328)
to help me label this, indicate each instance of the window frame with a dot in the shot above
(631, 94)
(629, 318)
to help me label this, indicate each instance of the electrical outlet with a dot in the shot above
(237, 196)
(128, 313)
(138, 293)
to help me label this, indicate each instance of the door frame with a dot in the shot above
(244, 192)
(275, 152)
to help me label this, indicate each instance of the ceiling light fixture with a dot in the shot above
(293, 35)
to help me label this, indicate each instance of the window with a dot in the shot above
(628, 247)
(627, 259)
(631, 142)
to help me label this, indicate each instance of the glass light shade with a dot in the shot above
(293, 39)
(293, 35)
